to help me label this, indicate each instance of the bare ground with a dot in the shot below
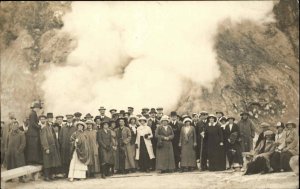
(192, 180)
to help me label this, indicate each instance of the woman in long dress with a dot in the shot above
(213, 137)
(164, 152)
(112, 127)
(133, 129)
(188, 143)
(144, 150)
(91, 134)
(81, 156)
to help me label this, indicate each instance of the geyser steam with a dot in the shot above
(138, 53)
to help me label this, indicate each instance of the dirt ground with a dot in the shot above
(191, 180)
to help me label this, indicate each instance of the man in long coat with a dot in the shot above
(202, 125)
(65, 146)
(15, 146)
(247, 131)
(50, 147)
(33, 152)
(176, 126)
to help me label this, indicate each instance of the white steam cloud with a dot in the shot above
(138, 53)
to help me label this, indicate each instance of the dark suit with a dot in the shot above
(202, 125)
(154, 140)
(176, 130)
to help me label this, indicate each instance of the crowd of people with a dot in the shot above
(82, 147)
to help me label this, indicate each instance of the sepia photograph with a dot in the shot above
(149, 94)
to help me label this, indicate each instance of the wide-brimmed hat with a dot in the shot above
(101, 108)
(264, 125)
(211, 116)
(88, 115)
(219, 112)
(279, 124)
(49, 115)
(142, 118)
(173, 113)
(244, 113)
(112, 110)
(90, 122)
(77, 114)
(187, 119)
(230, 117)
(97, 117)
(268, 132)
(291, 123)
(164, 118)
(81, 123)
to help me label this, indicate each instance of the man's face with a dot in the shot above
(77, 118)
(159, 114)
(196, 118)
(152, 115)
(279, 129)
(69, 119)
(102, 112)
(245, 116)
(50, 119)
(219, 115)
(230, 121)
(59, 120)
(43, 120)
(173, 118)
(98, 121)
(130, 111)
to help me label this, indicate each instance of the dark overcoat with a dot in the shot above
(16, 143)
(65, 144)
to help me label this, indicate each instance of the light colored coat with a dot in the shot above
(280, 140)
(141, 131)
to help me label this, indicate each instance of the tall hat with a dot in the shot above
(173, 113)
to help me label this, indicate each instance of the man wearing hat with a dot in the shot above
(77, 117)
(130, 111)
(64, 140)
(153, 127)
(176, 126)
(247, 130)
(33, 153)
(202, 124)
(219, 114)
(159, 113)
(50, 118)
(264, 127)
(60, 121)
(145, 110)
(50, 148)
(112, 112)
(88, 116)
(102, 114)
(97, 121)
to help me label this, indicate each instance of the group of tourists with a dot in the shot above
(82, 147)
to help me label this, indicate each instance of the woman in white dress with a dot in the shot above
(81, 156)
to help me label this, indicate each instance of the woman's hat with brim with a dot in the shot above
(244, 113)
(187, 119)
(264, 125)
(291, 123)
(132, 117)
(279, 124)
(211, 116)
(231, 117)
(142, 119)
(268, 133)
(164, 118)
(81, 123)
(90, 122)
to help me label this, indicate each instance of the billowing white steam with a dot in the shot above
(138, 53)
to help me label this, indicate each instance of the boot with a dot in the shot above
(103, 171)
(46, 175)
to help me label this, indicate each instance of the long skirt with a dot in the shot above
(130, 157)
(285, 160)
(77, 168)
(257, 166)
(144, 160)
(165, 157)
(94, 167)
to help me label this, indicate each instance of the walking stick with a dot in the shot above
(201, 147)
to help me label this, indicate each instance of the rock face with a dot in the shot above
(259, 70)
(259, 64)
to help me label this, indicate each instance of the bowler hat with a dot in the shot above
(49, 115)
(101, 108)
(36, 105)
(152, 111)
